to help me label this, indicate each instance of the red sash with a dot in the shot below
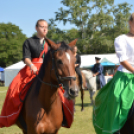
(12, 104)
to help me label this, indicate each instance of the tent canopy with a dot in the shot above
(11, 72)
(18, 65)
(1, 69)
(106, 60)
(107, 64)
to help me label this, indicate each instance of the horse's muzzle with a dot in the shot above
(73, 92)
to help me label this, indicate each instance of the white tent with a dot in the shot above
(89, 60)
(12, 71)
(86, 61)
(2, 78)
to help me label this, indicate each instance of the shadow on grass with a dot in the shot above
(85, 104)
(2, 84)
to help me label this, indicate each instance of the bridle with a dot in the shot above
(59, 78)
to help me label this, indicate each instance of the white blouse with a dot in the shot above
(124, 47)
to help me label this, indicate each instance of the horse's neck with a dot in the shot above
(47, 94)
(89, 73)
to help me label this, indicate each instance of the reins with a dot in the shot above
(49, 84)
(59, 78)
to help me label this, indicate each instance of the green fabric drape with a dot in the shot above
(112, 103)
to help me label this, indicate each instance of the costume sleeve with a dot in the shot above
(100, 69)
(26, 50)
(120, 48)
(93, 69)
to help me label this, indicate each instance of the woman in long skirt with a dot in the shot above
(114, 100)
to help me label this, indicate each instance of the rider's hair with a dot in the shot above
(37, 23)
(131, 17)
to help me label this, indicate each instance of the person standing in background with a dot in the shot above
(98, 73)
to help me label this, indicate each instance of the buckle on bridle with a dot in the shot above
(61, 85)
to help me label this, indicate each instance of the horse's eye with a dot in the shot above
(59, 62)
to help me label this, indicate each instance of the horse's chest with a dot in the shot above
(48, 125)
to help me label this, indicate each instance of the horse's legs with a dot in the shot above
(82, 97)
(91, 92)
(91, 96)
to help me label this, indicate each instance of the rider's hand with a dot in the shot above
(94, 75)
(33, 68)
(76, 65)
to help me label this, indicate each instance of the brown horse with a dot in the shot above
(81, 88)
(42, 109)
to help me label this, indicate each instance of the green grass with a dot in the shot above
(82, 120)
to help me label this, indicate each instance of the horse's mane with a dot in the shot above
(88, 70)
(63, 47)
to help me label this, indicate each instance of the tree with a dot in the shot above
(11, 41)
(121, 16)
(77, 13)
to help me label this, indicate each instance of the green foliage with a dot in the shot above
(98, 23)
(77, 13)
(11, 40)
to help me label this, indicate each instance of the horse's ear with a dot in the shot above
(52, 44)
(73, 43)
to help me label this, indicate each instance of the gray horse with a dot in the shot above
(91, 83)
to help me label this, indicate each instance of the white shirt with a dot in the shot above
(124, 47)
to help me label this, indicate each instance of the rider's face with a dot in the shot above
(75, 49)
(97, 61)
(42, 29)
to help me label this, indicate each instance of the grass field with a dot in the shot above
(82, 120)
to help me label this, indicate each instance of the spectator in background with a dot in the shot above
(98, 72)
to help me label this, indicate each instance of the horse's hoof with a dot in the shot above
(82, 109)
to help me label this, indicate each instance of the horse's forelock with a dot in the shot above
(64, 46)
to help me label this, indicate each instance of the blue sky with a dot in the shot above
(25, 13)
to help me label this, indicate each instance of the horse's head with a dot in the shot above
(63, 67)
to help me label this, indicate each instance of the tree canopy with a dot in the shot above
(98, 23)
(11, 41)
